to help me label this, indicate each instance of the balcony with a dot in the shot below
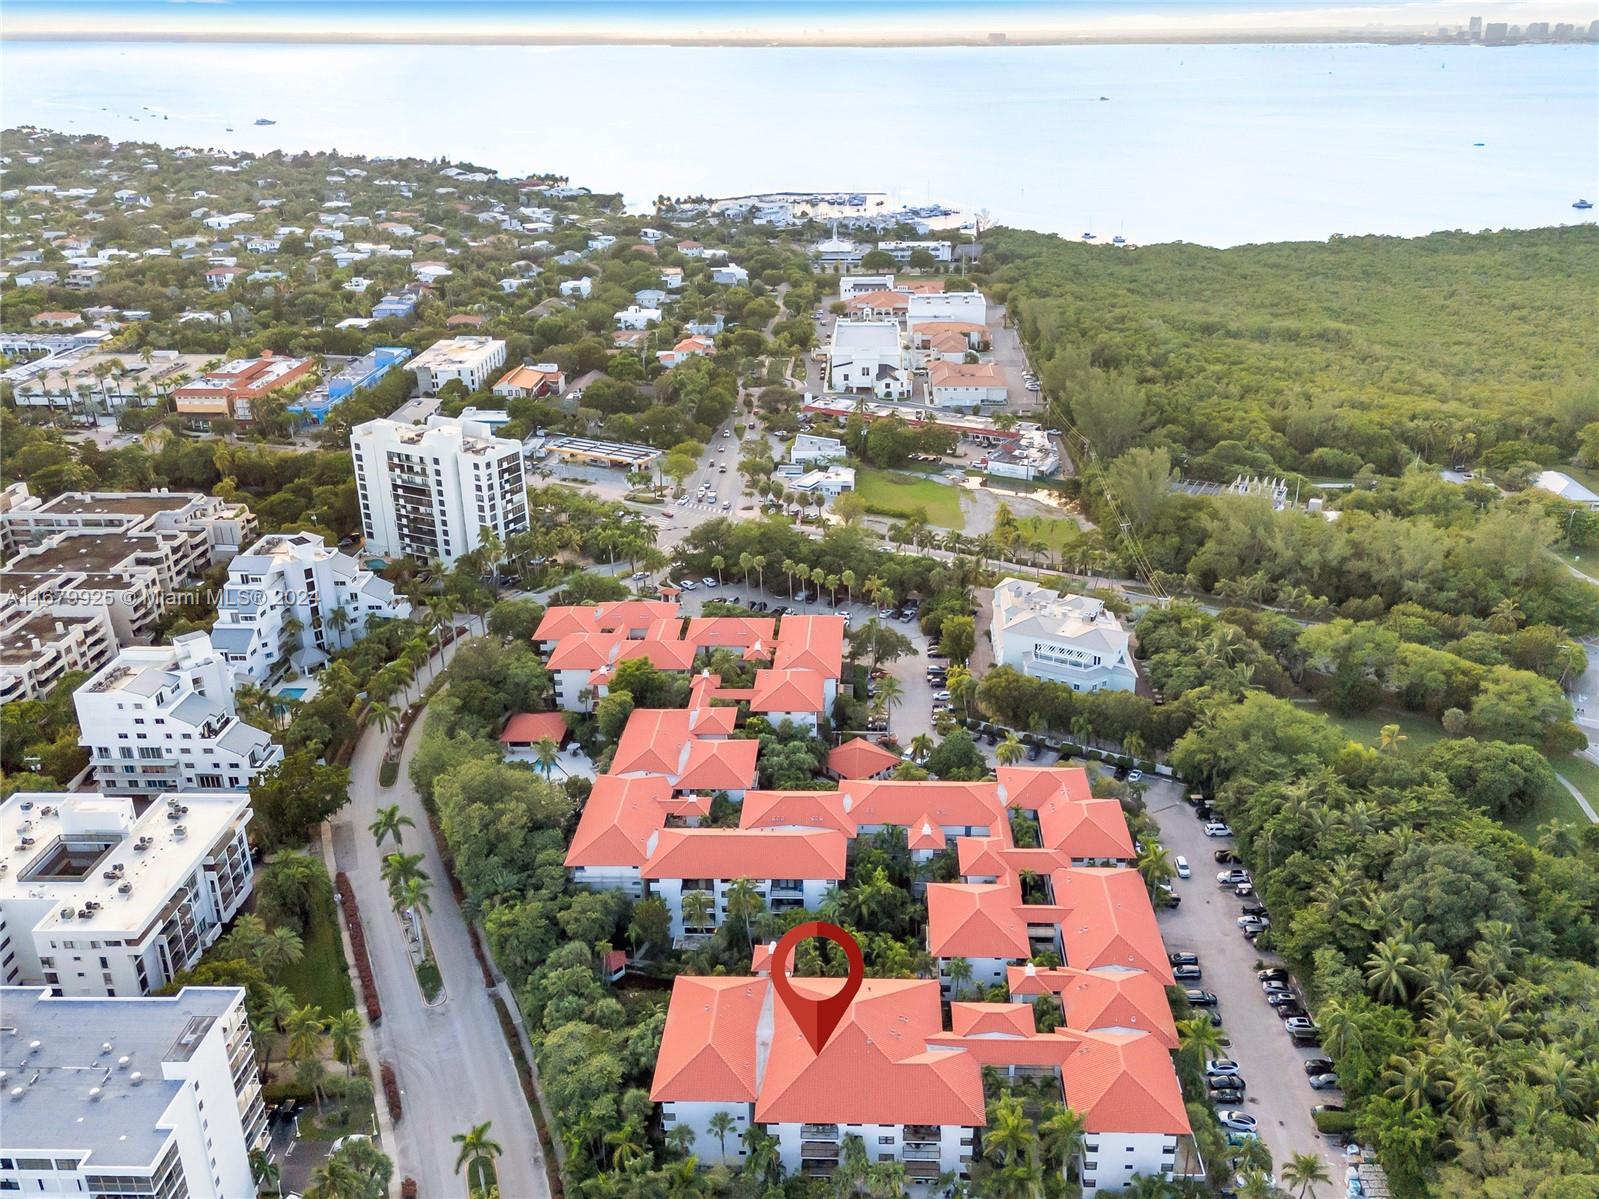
(819, 1132)
(920, 1153)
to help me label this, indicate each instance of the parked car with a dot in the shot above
(1222, 1065)
(1237, 1121)
(1301, 1024)
(1181, 865)
(1222, 1082)
(1244, 890)
(1225, 857)
(1318, 1065)
(1186, 973)
(1292, 1008)
(1183, 959)
(1217, 828)
(1324, 1082)
(710, 582)
(1282, 999)
(1254, 909)
(1279, 973)
(1329, 1107)
(1227, 1095)
(687, 584)
(1276, 985)
(1252, 926)
(1198, 998)
(1231, 878)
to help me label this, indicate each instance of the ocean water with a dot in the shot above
(1216, 144)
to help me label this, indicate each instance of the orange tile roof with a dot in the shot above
(708, 1048)
(617, 821)
(1124, 1082)
(663, 655)
(976, 920)
(743, 853)
(584, 651)
(788, 691)
(729, 632)
(965, 374)
(1110, 921)
(563, 619)
(925, 834)
(653, 741)
(875, 1068)
(1102, 999)
(811, 643)
(534, 726)
(889, 801)
(1095, 829)
(976, 1019)
(795, 809)
(1030, 787)
(859, 758)
(718, 766)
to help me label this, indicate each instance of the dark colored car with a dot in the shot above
(1198, 998)
(1273, 974)
(1033, 752)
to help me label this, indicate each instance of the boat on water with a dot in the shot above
(1583, 204)
(265, 121)
(1088, 237)
(1118, 240)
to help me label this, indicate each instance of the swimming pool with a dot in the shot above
(292, 692)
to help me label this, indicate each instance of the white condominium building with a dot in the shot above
(96, 899)
(161, 718)
(130, 1097)
(471, 360)
(429, 492)
(1071, 639)
(38, 645)
(216, 528)
(868, 356)
(290, 600)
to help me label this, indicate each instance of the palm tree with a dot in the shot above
(744, 904)
(283, 947)
(698, 909)
(1389, 738)
(921, 745)
(1082, 729)
(1154, 865)
(263, 1169)
(1009, 1138)
(1305, 1170)
(1389, 970)
(547, 754)
(385, 715)
(344, 1031)
(1010, 751)
(390, 823)
(679, 1138)
(339, 622)
(304, 1029)
(890, 693)
(1200, 1039)
(718, 564)
(335, 1178)
(886, 1180)
(719, 1125)
(682, 1178)
(400, 868)
(279, 1006)
(1060, 1138)
(477, 1154)
(1148, 1186)
(960, 973)
(627, 1145)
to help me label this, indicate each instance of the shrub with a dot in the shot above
(391, 1094)
(1335, 1123)
(388, 772)
(363, 960)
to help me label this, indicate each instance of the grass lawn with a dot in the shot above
(1056, 533)
(1421, 732)
(320, 976)
(891, 493)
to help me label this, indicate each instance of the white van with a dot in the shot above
(1182, 867)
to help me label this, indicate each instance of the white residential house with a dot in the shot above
(290, 601)
(153, 887)
(430, 492)
(966, 306)
(577, 287)
(472, 361)
(179, 1073)
(634, 317)
(1070, 639)
(809, 448)
(732, 275)
(966, 386)
(1567, 489)
(162, 718)
(868, 356)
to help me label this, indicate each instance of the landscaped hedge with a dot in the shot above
(1335, 1123)
(363, 960)
(391, 1091)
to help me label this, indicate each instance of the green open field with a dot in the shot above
(320, 976)
(895, 494)
(1055, 532)
(1421, 732)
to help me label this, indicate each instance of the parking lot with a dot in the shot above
(1278, 1093)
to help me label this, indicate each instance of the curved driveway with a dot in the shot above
(454, 1066)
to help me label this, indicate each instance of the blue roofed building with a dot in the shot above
(356, 375)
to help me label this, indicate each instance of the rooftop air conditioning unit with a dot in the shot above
(125, 888)
(68, 913)
(179, 833)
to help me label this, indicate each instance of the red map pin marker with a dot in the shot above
(816, 1018)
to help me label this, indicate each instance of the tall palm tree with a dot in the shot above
(344, 1031)
(678, 1139)
(698, 910)
(960, 973)
(1082, 729)
(263, 1169)
(1389, 970)
(282, 948)
(1010, 1138)
(339, 622)
(477, 1154)
(890, 693)
(390, 822)
(1155, 866)
(1010, 751)
(1060, 1138)
(1304, 1171)
(627, 1145)
(547, 754)
(304, 1029)
(744, 904)
(385, 715)
(921, 745)
(886, 1180)
(400, 868)
(1201, 1040)
(719, 1125)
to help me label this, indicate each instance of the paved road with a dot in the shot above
(1278, 1095)
(454, 1067)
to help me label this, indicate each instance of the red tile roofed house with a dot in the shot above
(730, 632)
(631, 618)
(963, 385)
(719, 765)
(960, 809)
(1110, 923)
(708, 1060)
(920, 287)
(981, 923)
(690, 347)
(468, 319)
(232, 388)
(574, 664)
(879, 303)
(796, 809)
(523, 732)
(528, 381)
(790, 868)
(613, 833)
(861, 759)
(813, 643)
(1101, 1000)
(911, 1104)
(792, 696)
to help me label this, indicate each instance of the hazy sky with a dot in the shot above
(779, 18)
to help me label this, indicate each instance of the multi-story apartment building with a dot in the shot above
(162, 718)
(88, 380)
(429, 492)
(211, 528)
(99, 899)
(40, 644)
(471, 361)
(155, 1097)
(290, 600)
(1070, 639)
(869, 356)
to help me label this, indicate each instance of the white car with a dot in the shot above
(1217, 829)
(687, 584)
(941, 695)
(1237, 1121)
(710, 582)
(1182, 867)
(1134, 776)
(1221, 1066)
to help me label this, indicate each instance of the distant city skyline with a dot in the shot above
(788, 21)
